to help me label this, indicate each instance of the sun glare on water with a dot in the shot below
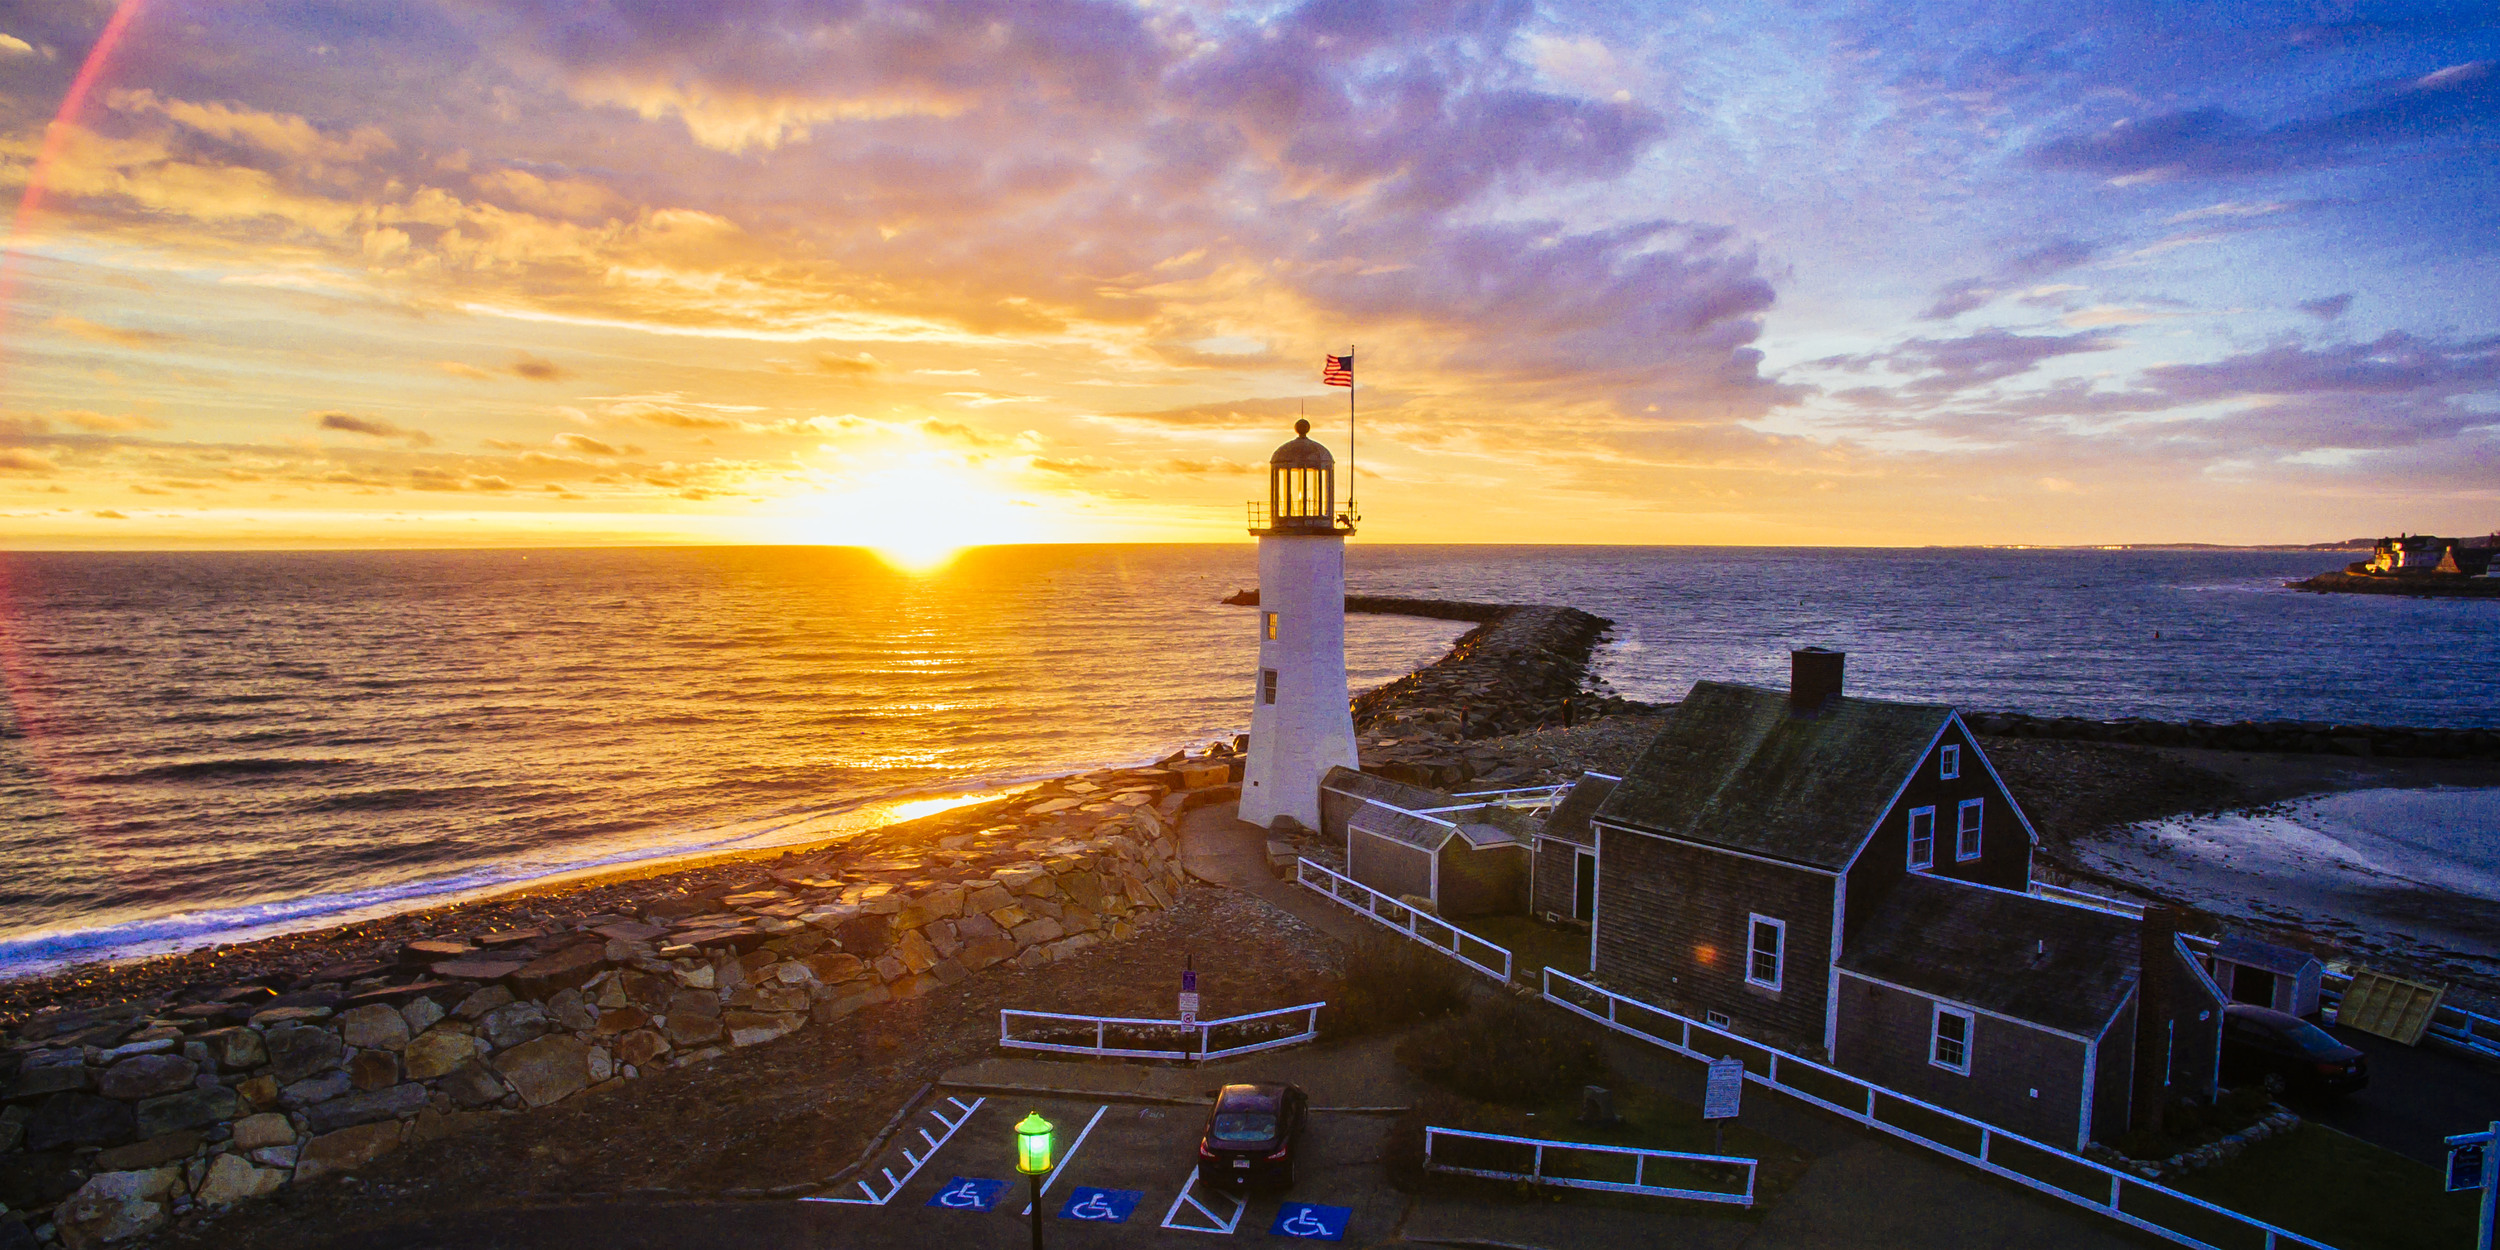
(916, 517)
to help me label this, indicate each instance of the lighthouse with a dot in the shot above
(1300, 723)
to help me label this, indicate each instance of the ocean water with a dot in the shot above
(203, 746)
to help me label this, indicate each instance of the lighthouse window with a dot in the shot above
(1271, 627)
(1267, 685)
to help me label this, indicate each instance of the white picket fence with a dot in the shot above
(1431, 930)
(2121, 1196)
(1590, 1157)
(1202, 1030)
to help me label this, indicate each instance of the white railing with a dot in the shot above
(894, 1184)
(1424, 927)
(2122, 1196)
(1532, 800)
(1537, 1174)
(1202, 1030)
(2082, 898)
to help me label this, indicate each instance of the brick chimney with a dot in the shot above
(2157, 1003)
(1813, 679)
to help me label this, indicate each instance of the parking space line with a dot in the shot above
(1065, 1159)
(874, 1199)
(1220, 1223)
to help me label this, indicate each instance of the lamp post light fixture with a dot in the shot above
(1033, 1159)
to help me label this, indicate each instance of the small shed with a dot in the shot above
(1564, 885)
(1343, 791)
(1468, 862)
(2267, 975)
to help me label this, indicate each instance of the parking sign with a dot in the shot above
(1311, 1222)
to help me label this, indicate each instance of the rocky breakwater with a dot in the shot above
(1522, 667)
(2311, 737)
(116, 1117)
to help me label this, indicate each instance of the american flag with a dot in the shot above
(1339, 371)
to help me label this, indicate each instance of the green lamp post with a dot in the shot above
(1033, 1159)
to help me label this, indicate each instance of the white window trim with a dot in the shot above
(1949, 762)
(1935, 1036)
(1930, 814)
(1779, 957)
(1978, 829)
(1267, 687)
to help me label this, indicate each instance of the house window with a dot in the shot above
(1966, 829)
(1949, 767)
(1271, 626)
(1922, 836)
(1762, 952)
(1267, 685)
(1949, 1049)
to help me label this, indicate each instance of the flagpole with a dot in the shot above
(1350, 510)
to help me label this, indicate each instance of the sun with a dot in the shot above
(916, 516)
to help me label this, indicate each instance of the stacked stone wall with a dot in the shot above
(117, 1118)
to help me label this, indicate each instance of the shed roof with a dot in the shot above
(2251, 953)
(1398, 825)
(1733, 768)
(2063, 966)
(1569, 821)
(1381, 790)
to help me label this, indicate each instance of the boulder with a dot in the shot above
(80, 1120)
(982, 952)
(834, 967)
(145, 1076)
(115, 1206)
(421, 1014)
(481, 1002)
(648, 992)
(989, 898)
(192, 1108)
(266, 1129)
(689, 1028)
(564, 969)
(486, 968)
(346, 1149)
(640, 1047)
(473, 1086)
(848, 999)
(375, 1026)
(258, 1091)
(155, 1152)
(369, 1108)
(230, 1180)
(373, 1069)
(514, 1023)
(51, 1072)
(915, 952)
(235, 1048)
(569, 1009)
(546, 1070)
(311, 1090)
(750, 1028)
(301, 1050)
(28, 1181)
(436, 1052)
(1035, 932)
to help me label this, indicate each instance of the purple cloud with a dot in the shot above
(2214, 142)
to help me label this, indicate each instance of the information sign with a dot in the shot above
(1726, 1089)
(2465, 1166)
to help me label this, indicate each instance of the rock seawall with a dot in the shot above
(115, 1118)
(2421, 586)
(2311, 737)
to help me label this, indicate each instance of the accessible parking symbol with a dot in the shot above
(969, 1193)
(1101, 1206)
(1311, 1221)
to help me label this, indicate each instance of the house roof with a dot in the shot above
(1398, 825)
(1389, 793)
(2252, 953)
(2069, 968)
(1733, 768)
(1569, 821)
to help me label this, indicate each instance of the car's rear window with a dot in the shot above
(2312, 1040)
(1244, 1126)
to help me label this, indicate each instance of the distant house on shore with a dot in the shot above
(2425, 553)
(1850, 877)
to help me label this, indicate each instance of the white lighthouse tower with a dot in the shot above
(1300, 722)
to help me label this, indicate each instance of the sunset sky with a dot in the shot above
(562, 271)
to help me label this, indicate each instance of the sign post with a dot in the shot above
(2474, 1163)
(1189, 995)
(1723, 1096)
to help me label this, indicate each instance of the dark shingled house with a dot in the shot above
(1771, 845)
(1564, 881)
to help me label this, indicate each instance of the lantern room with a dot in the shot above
(1301, 490)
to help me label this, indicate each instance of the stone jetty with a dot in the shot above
(115, 1117)
(1524, 666)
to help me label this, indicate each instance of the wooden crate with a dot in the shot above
(2389, 1006)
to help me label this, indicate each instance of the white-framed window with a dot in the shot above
(1922, 837)
(1267, 685)
(1271, 626)
(1966, 829)
(1948, 1045)
(1766, 940)
(1717, 1020)
(1948, 760)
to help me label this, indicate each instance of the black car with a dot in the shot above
(2283, 1051)
(1253, 1136)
